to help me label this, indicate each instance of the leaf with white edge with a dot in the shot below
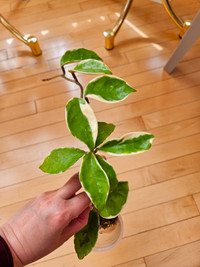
(109, 170)
(92, 66)
(81, 121)
(78, 55)
(108, 89)
(130, 143)
(94, 180)
(86, 238)
(61, 159)
(104, 130)
(116, 201)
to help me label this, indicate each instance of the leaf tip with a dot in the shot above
(41, 167)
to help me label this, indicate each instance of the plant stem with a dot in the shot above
(63, 69)
(68, 79)
(48, 79)
(77, 82)
(87, 100)
(95, 151)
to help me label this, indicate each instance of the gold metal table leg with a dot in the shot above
(31, 41)
(183, 25)
(110, 34)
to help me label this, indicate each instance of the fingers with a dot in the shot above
(70, 188)
(78, 204)
(77, 224)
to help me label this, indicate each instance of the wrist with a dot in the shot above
(4, 234)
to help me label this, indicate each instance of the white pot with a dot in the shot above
(110, 237)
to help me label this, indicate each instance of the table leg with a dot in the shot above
(110, 34)
(183, 25)
(188, 39)
(31, 41)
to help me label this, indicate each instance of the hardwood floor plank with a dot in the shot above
(38, 92)
(3, 54)
(29, 82)
(197, 199)
(17, 63)
(34, 121)
(170, 190)
(55, 19)
(184, 256)
(5, 6)
(135, 263)
(35, 136)
(161, 172)
(171, 115)
(50, 50)
(141, 65)
(55, 101)
(37, 152)
(22, 73)
(127, 37)
(15, 5)
(18, 111)
(176, 130)
(16, 59)
(157, 75)
(21, 173)
(21, 191)
(158, 216)
(158, 153)
(165, 47)
(88, 5)
(149, 105)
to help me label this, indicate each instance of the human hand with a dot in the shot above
(46, 222)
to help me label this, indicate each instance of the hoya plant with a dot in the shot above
(98, 178)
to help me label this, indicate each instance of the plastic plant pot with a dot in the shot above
(110, 237)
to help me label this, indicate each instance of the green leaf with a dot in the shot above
(61, 159)
(108, 89)
(78, 55)
(109, 171)
(116, 201)
(94, 180)
(104, 130)
(92, 66)
(130, 143)
(81, 121)
(86, 238)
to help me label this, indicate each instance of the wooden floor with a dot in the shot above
(162, 215)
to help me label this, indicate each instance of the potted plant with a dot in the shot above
(97, 176)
